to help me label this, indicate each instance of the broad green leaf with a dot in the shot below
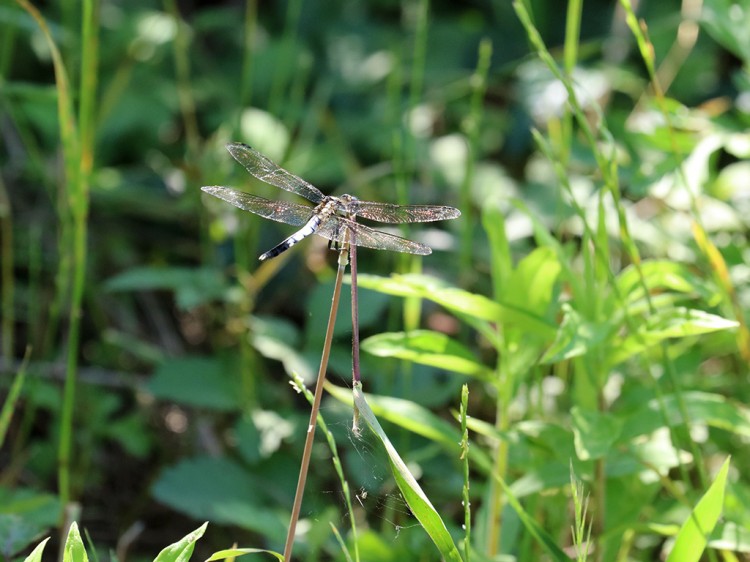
(702, 407)
(192, 286)
(575, 337)
(452, 298)
(530, 287)
(693, 536)
(182, 550)
(235, 552)
(594, 432)
(415, 498)
(727, 22)
(36, 554)
(197, 381)
(74, 549)
(462, 303)
(17, 532)
(278, 339)
(678, 322)
(427, 348)
(221, 490)
(660, 275)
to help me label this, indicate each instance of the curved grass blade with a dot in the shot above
(693, 536)
(420, 506)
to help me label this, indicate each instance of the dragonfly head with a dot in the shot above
(349, 204)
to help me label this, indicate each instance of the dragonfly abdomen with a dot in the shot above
(320, 214)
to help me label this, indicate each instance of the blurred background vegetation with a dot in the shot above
(158, 350)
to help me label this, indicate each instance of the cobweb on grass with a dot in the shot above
(375, 498)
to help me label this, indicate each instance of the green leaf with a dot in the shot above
(693, 536)
(219, 489)
(235, 552)
(197, 381)
(182, 550)
(575, 337)
(535, 530)
(427, 348)
(74, 549)
(678, 322)
(659, 275)
(16, 533)
(530, 287)
(462, 303)
(192, 286)
(416, 499)
(702, 407)
(594, 432)
(36, 554)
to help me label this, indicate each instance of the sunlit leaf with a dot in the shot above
(574, 338)
(693, 536)
(74, 549)
(701, 407)
(36, 554)
(678, 322)
(236, 552)
(416, 499)
(462, 303)
(427, 348)
(594, 432)
(182, 550)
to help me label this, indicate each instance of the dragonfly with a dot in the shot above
(333, 218)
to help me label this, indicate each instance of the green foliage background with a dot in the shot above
(593, 294)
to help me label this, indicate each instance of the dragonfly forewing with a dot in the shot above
(279, 211)
(265, 170)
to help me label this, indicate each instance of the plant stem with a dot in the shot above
(315, 407)
(6, 241)
(355, 314)
(465, 465)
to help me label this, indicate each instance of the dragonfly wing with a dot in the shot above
(280, 211)
(385, 212)
(265, 170)
(337, 228)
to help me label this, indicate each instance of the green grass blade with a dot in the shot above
(13, 394)
(693, 536)
(420, 506)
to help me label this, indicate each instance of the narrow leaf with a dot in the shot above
(416, 499)
(36, 554)
(693, 536)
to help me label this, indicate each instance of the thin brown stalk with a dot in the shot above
(315, 407)
(355, 314)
